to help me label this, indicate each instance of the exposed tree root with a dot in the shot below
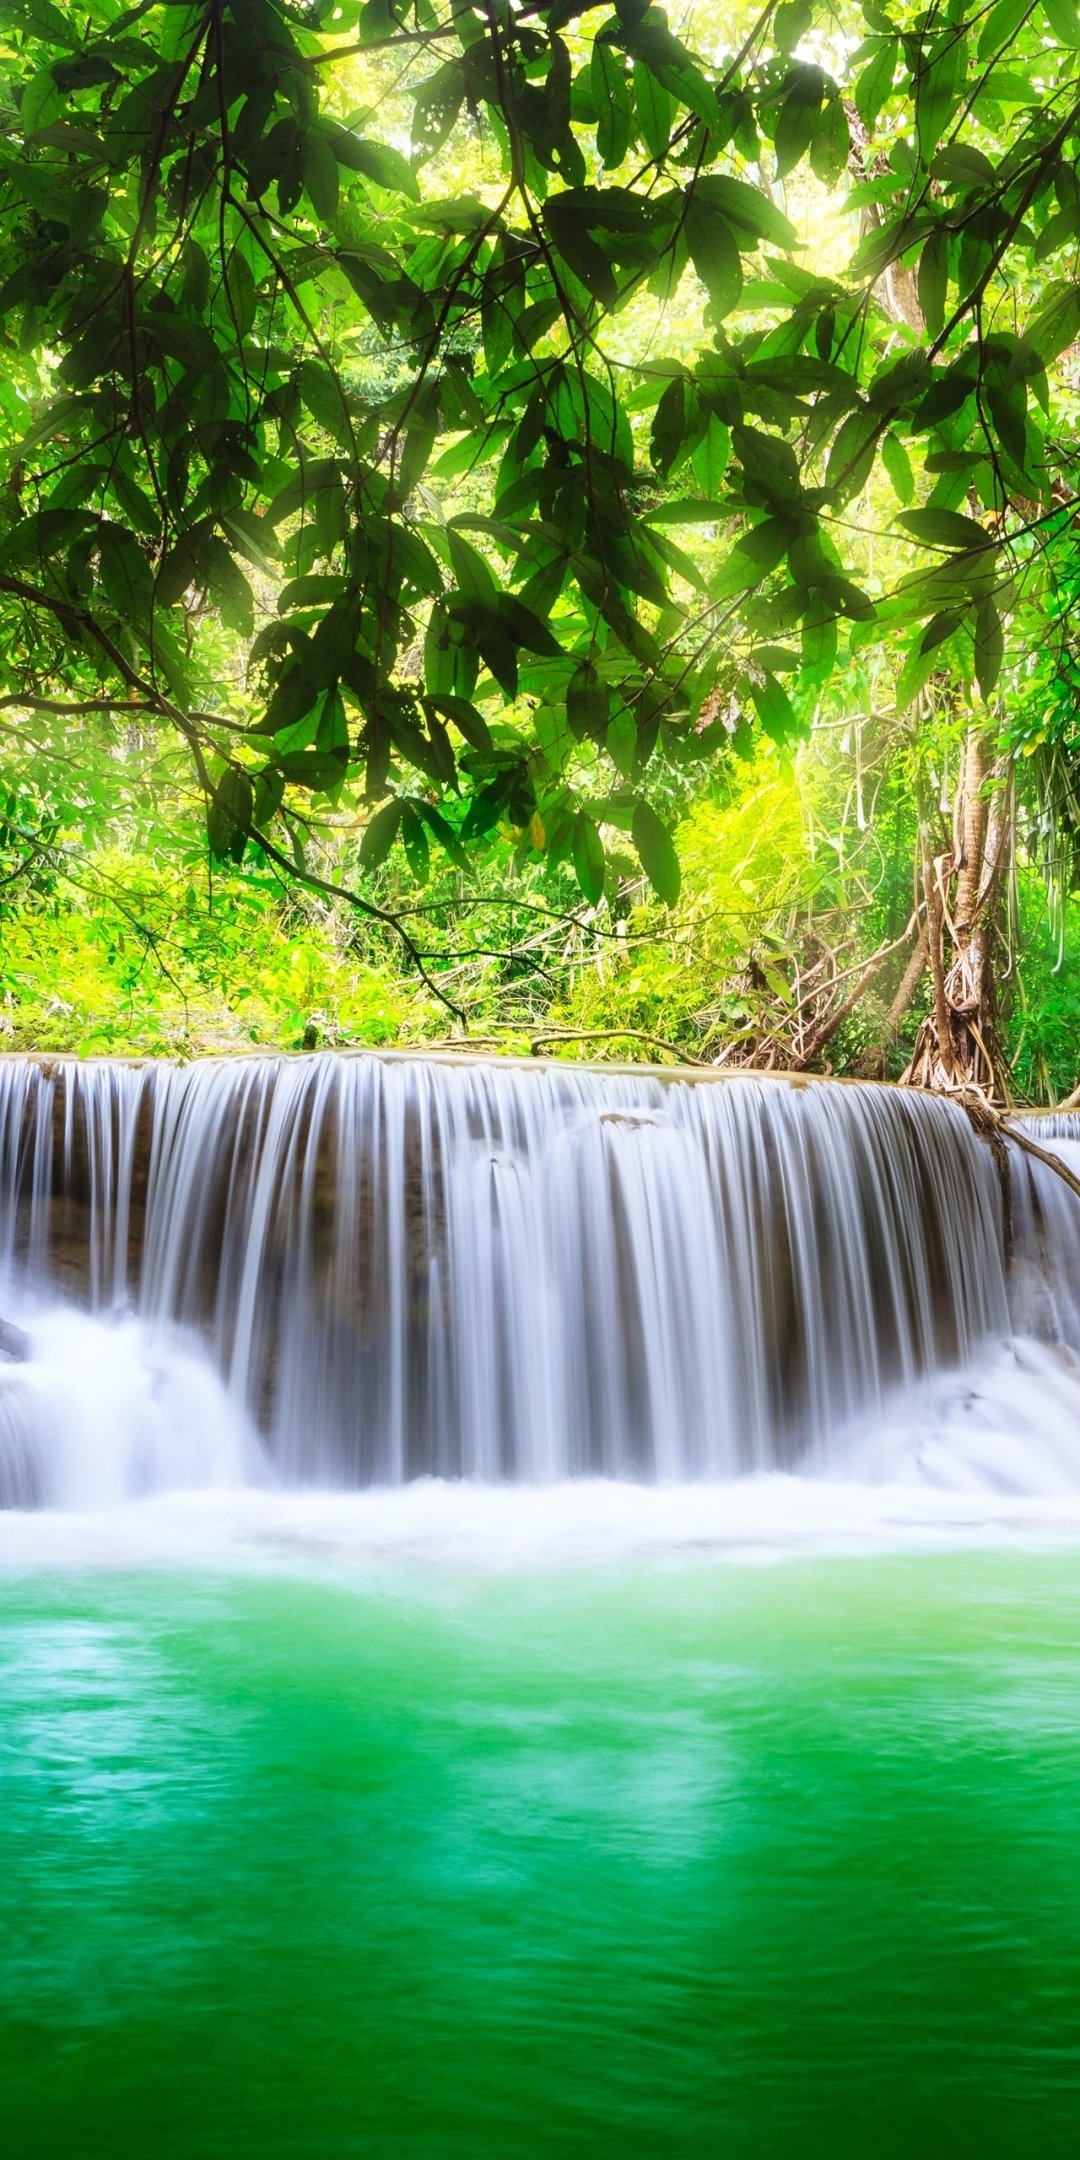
(957, 1046)
(997, 1128)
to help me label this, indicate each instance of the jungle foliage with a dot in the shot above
(442, 419)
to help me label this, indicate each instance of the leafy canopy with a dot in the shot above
(338, 432)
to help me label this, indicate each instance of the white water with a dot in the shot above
(405, 1269)
(104, 1413)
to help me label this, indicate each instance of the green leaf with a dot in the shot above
(501, 301)
(611, 97)
(1063, 20)
(656, 853)
(313, 770)
(475, 578)
(791, 21)
(669, 425)
(332, 733)
(915, 674)
(498, 652)
(268, 793)
(774, 709)
(942, 66)
(580, 252)
(1008, 411)
(797, 120)
(689, 87)
(435, 110)
(527, 629)
(253, 538)
(819, 646)
(989, 646)
(299, 735)
(621, 742)
(941, 626)
(945, 528)
(379, 162)
(188, 342)
(445, 835)
(655, 108)
(450, 213)
(180, 569)
(746, 210)
(831, 146)
(414, 840)
(962, 165)
(897, 464)
(380, 835)
(241, 294)
(1056, 325)
(686, 510)
(320, 170)
(224, 578)
(709, 459)
(307, 592)
(42, 102)
(752, 558)
(136, 506)
(852, 455)
(467, 718)
(126, 576)
(325, 401)
(587, 703)
(875, 83)
(588, 858)
(934, 282)
(228, 815)
(1058, 232)
(1001, 26)
(293, 696)
(714, 254)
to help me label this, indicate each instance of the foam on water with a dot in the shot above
(104, 1413)
(143, 1460)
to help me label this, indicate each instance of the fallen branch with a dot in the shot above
(535, 1043)
(654, 1042)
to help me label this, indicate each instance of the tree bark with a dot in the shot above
(957, 1044)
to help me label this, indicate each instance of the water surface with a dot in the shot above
(408, 1855)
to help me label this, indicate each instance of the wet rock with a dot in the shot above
(14, 1343)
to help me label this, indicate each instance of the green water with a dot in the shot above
(661, 1858)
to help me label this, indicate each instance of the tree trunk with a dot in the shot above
(957, 1044)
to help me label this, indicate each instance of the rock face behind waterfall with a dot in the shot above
(405, 1266)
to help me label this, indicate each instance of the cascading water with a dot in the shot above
(404, 1267)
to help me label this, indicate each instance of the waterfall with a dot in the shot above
(402, 1266)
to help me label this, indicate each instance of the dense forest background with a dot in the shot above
(543, 526)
